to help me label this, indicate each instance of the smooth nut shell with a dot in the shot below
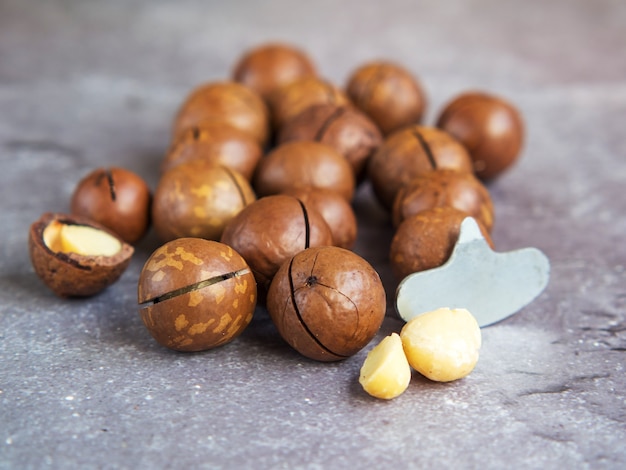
(426, 240)
(228, 102)
(216, 142)
(412, 152)
(270, 66)
(198, 199)
(72, 274)
(346, 129)
(117, 198)
(389, 94)
(439, 188)
(272, 230)
(304, 164)
(327, 303)
(197, 318)
(489, 127)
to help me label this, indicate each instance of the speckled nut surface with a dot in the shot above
(327, 303)
(73, 274)
(216, 142)
(273, 229)
(197, 199)
(389, 94)
(412, 152)
(425, 241)
(345, 128)
(290, 100)
(304, 164)
(438, 188)
(116, 198)
(267, 67)
(228, 102)
(196, 294)
(490, 127)
(335, 210)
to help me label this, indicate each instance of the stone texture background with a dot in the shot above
(83, 385)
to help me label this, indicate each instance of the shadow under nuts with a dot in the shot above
(327, 303)
(196, 294)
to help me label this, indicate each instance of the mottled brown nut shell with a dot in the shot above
(272, 230)
(218, 143)
(116, 198)
(439, 188)
(197, 294)
(290, 100)
(327, 303)
(412, 152)
(344, 128)
(198, 199)
(489, 127)
(335, 210)
(389, 94)
(426, 240)
(270, 66)
(304, 164)
(72, 274)
(228, 102)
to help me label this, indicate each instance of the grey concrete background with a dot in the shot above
(83, 385)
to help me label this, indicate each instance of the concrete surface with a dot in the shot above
(83, 385)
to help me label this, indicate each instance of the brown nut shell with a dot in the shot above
(438, 188)
(304, 164)
(216, 142)
(389, 94)
(327, 303)
(196, 294)
(335, 210)
(198, 199)
(228, 102)
(411, 152)
(268, 67)
(489, 127)
(116, 198)
(345, 128)
(273, 229)
(73, 274)
(426, 240)
(290, 100)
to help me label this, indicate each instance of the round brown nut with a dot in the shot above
(268, 67)
(290, 100)
(74, 256)
(273, 229)
(228, 102)
(409, 153)
(197, 199)
(196, 294)
(438, 188)
(304, 164)
(426, 240)
(327, 303)
(389, 94)
(344, 128)
(116, 198)
(490, 127)
(218, 143)
(335, 210)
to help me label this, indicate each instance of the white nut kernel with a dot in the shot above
(386, 372)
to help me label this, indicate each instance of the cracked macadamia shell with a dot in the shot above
(73, 274)
(327, 303)
(197, 294)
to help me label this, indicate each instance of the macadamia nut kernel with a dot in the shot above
(442, 345)
(386, 372)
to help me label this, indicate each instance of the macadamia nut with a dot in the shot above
(386, 372)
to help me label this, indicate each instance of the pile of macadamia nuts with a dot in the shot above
(253, 203)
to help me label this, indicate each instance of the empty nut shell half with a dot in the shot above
(72, 273)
